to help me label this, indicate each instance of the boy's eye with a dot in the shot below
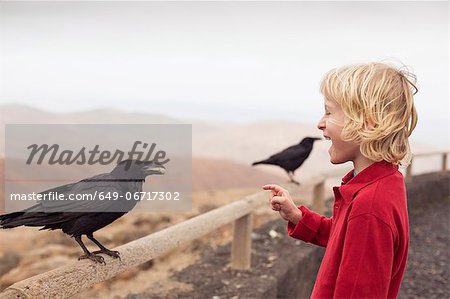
(327, 113)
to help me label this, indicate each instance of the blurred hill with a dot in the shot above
(20, 114)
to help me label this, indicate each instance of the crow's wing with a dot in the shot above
(291, 153)
(93, 188)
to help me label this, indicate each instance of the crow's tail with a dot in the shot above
(10, 220)
(28, 219)
(267, 161)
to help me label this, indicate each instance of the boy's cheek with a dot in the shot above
(335, 122)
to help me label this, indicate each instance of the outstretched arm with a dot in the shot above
(303, 224)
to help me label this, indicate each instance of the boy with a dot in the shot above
(369, 115)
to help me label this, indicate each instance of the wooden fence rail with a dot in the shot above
(78, 276)
(444, 155)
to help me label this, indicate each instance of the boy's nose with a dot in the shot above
(321, 124)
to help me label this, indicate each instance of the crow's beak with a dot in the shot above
(317, 138)
(155, 169)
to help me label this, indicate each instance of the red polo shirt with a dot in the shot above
(366, 239)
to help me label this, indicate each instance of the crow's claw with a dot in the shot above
(112, 253)
(93, 257)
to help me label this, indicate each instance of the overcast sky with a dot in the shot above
(239, 61)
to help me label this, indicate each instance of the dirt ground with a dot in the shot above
(427, 273)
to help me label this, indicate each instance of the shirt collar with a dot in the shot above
(352, 184)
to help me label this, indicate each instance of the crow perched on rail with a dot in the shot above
(292, 157)
(74, 217)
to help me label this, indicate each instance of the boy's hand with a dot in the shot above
(281, 201)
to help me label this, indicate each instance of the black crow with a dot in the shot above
(74, 217)
(292, 157)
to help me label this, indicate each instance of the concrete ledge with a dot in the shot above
(424, 190)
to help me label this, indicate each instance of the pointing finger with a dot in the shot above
(273, 187)
(276, 190)
(270, 187)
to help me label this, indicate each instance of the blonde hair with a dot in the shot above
(377, 100)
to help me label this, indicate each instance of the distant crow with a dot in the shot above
(74, 218)
(292, 157)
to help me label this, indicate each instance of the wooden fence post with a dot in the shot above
(444, 161)
(409, 170)
(319, 197)
(242, 243)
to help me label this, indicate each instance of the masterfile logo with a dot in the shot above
(38, 153)
(79, 168)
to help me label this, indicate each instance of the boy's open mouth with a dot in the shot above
(328, 139)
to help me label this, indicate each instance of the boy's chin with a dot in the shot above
(335, 160)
